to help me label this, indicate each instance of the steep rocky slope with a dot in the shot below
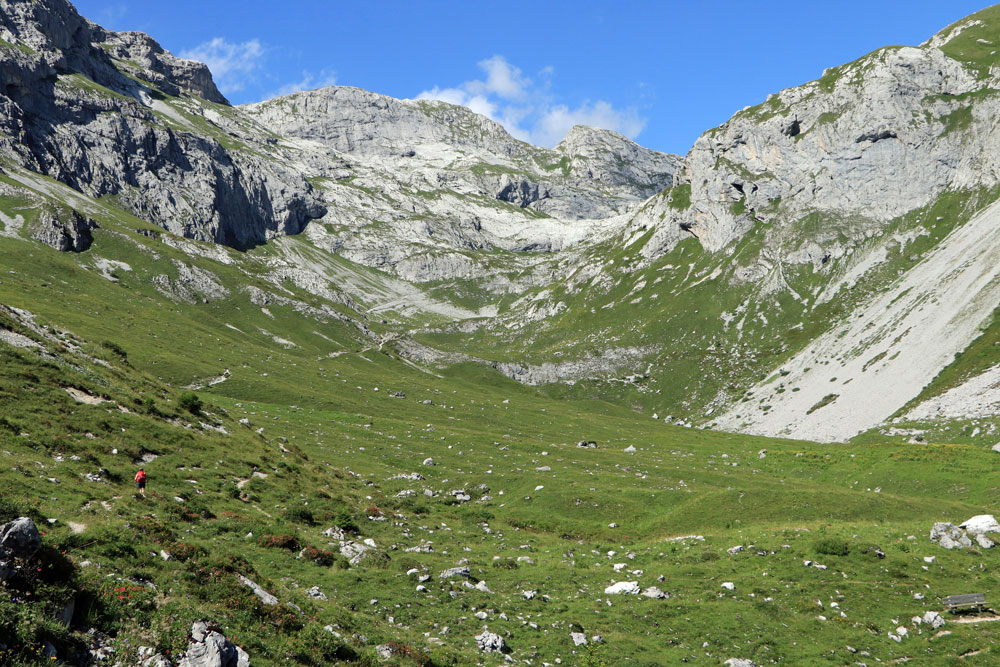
(114, 115)
(803, 212)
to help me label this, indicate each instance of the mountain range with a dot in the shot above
(821, 267)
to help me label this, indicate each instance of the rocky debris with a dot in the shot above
(734, 550)
(740, 662)
(587, 444)
(950, 536)
(489, 642)
(148, 657)
(335, 533)
(655, 593)
(384, 651)
(623, 588)
(630, 449)
(264, 596)
(315, 593)
(428, 461)
(210, 648)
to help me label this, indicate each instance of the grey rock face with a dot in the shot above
(70, 112)
(476, 186)
(166, 71)
(63, 229)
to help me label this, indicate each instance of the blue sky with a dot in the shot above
(659, 72)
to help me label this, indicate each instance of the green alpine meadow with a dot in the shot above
(407, 390)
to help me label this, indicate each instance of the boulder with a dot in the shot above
(579, 639)
(335, 533)
(623, 588)
(984, 542)
(933, 619)
(655, 593)
(740, 662)
(315, 593)
(981, 523)
(19, 539)
(210, 648)
(490, 642)
(453, 572)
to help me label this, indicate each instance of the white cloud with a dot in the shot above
(527, 110)
(233, 64)
(309, 81)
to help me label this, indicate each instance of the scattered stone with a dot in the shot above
(729, 586)
(384, 651)
(655, 593)
(264, 596)
(579, 639)
(735, 550)
(453, 572)
(428, 461)
(630, 449)
(529, 595)
(740, 662)
(315, 593)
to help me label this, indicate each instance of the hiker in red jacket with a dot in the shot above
(140, 481)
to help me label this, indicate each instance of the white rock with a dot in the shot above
(729, 586)
(579, 639)
(933, 619)
(981, 523)
(623, 588)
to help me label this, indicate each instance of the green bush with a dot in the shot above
(189, 401)
(300, 515)
(832, 546)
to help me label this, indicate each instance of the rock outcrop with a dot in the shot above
(115, 115)
(210, 648)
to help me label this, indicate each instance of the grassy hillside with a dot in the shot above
(331, 424)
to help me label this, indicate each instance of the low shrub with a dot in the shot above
(289, 542)
(189, 401)
(832, 546)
